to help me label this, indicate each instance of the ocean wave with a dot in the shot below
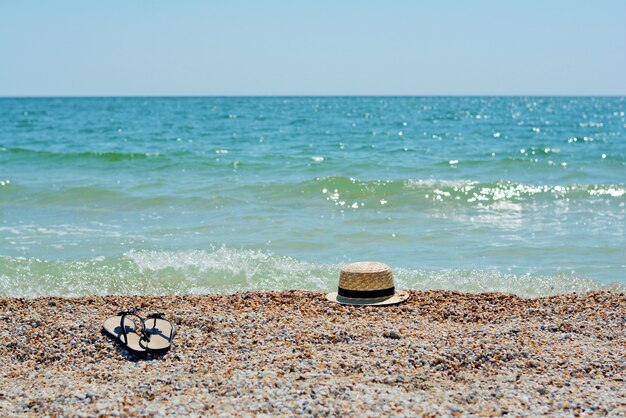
(337, 190)
(227, 270)
(349, 189)
(108, 156)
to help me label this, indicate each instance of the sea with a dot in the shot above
(181, 195)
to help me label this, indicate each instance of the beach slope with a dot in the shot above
(292, 352)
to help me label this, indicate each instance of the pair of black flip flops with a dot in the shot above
(152, 336)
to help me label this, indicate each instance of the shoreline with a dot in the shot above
(292, 352)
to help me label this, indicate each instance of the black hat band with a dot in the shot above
(366, 294)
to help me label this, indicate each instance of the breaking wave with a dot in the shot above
(227, 270)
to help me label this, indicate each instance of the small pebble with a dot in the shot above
(393, 335)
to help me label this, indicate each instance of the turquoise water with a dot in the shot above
(195, 195)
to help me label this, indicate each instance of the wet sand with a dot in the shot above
(292, 352)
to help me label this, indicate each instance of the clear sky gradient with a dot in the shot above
(321, 47)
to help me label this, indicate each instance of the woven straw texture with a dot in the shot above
(366, 275)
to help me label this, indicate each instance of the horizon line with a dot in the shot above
(96, 96)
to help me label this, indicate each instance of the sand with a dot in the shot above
(292, 352)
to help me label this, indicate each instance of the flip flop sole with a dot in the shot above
(161, 333)
(112, 327)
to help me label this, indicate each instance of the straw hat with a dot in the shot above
(367, 283)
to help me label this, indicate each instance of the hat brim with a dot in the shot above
(397, 297)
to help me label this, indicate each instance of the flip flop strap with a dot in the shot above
(131, 312)
(155, 316)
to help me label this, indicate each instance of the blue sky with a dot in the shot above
(270, 47)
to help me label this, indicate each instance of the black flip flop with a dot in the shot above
(123, 328)
(160, 333)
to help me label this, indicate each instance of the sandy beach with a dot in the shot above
(292, 352)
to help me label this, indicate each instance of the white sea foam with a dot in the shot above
(226, 270)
